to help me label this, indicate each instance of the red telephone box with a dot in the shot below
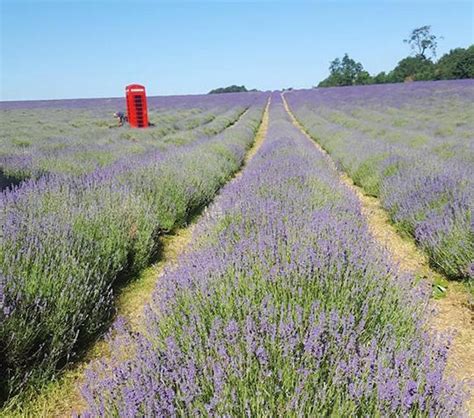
(136, 106)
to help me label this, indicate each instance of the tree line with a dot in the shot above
(230, 89)
(422, 65)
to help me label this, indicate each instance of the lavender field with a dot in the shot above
(67, 239)
(283, 303)
(78, 136)
(412, 145)
(294, 314)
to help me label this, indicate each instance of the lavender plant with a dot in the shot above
(77, 140)
(65, 241)
(412, 145)
(283, 306)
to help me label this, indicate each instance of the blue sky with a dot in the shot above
(69, 49)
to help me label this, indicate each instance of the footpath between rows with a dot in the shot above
(62, 398)
(452, 313)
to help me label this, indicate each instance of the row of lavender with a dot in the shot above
(78, 140)
(104, 105)
(283, 306)
(66, 241)
(412, 145)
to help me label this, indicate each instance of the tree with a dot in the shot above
(364, 77)
(381, 78)
(411, 69)
(345, 72)
(421, 41)
(457, 63)
(229, 89)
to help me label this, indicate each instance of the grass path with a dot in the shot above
(454, 310)
(62, 397)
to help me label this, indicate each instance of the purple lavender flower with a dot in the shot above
(412, 145)
(283, 306)
(66, 240)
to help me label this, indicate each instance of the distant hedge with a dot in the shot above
(229, 89)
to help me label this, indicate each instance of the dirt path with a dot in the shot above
(62, 397)
(453, 311)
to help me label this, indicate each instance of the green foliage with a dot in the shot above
(229, 89)
(346, 72)
(457, 63)
(367, 175)
(452, 250)
(381, 78)
(413, 68)
(421, 41)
